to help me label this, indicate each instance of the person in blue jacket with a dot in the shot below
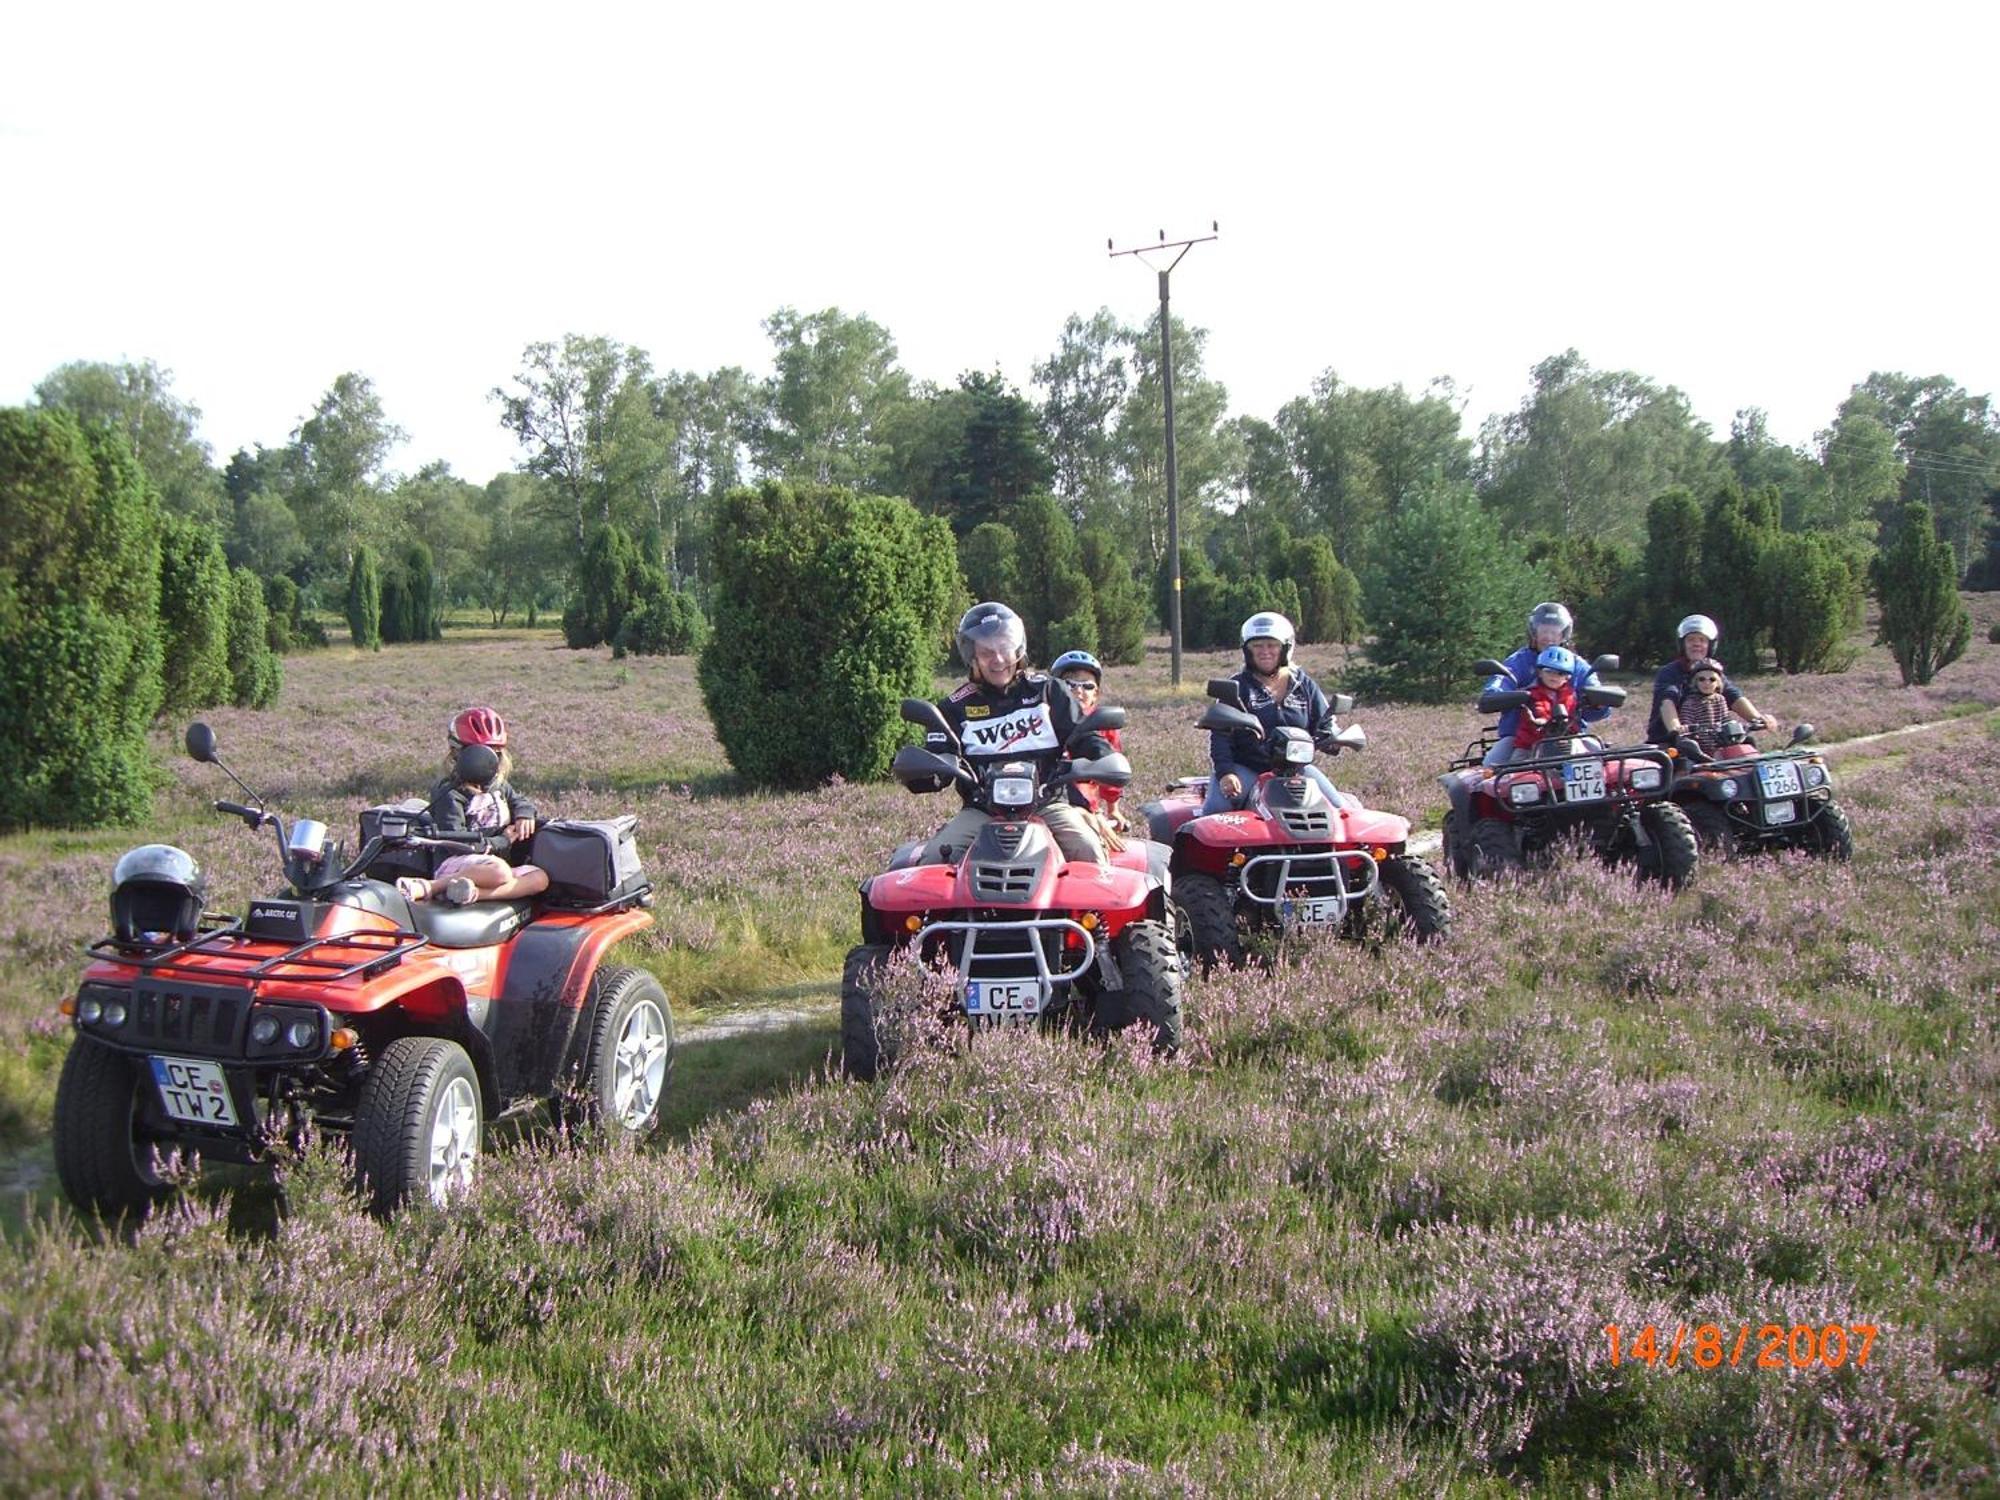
(1549, 624)
(1274, 692)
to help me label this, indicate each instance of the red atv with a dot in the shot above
(1569, 783)
(341, 1005)
(1742, 799)
(1291, 858)
(1034, 938)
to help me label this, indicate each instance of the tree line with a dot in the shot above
(1368, 515)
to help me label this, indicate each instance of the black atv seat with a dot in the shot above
(479, 925)
(907, 855)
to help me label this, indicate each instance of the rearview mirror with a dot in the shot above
(1226, 690)
(925, 715)
(1097, 721)
(1343, 703)
(1802, 732)
(1487, 667)
(201, 741)
(1605, 663)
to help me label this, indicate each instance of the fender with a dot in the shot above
(1100, 888)
(1370, 827)
(533, 1025)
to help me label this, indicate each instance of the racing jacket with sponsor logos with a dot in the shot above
(1029, 720)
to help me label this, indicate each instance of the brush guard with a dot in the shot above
(1005, 967)
(1299, 887)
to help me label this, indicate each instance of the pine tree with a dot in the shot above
(364, 601)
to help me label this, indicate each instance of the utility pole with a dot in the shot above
(1167, 387)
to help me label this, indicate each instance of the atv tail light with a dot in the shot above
(343, 1038)
(1072, 939)
(912, 922)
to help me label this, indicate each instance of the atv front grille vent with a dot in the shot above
(188, 1018)
(997, 882)
(1307, 822)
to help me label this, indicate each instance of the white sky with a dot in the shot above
(1758, 203)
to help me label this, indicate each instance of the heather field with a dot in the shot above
(1364, 1236)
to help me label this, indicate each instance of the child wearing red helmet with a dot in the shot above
(475, 797)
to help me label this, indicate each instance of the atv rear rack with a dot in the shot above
(220, 955)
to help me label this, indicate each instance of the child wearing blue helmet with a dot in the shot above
(1551, 698)
(1083, 675)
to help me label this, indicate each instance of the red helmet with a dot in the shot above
(479, 726)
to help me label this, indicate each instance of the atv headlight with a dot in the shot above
(302, 1033)
(114, 1013)
(1728, 789)
(1522, 792)
(264, 1030)
(1815, 775)
(89, 1010)
(1298, 752)
(1645, 778)
(1013, 791)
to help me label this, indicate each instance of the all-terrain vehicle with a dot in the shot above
(1291, 858)
(1033, 937)
(1741, 799)
(1570, 784)
(404, 1026)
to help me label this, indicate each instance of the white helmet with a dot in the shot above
(1269, 625)
(1698, 625)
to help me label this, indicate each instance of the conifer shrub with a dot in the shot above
(255, 673)
(607, 578)
(364, 600)
(79, 624)
(1805, 595)
(194, 617)
(829, 608)
(1924, 623)
(661, 620)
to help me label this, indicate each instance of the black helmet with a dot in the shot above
(990, 625)
(157, 894)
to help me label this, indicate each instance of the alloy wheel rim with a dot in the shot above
(454, 1146)
(639, 1066)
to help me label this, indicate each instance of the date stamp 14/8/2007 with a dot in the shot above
(1707, 1346)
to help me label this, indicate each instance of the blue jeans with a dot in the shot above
(1220, 801)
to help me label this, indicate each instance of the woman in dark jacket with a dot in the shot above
(1274, 692)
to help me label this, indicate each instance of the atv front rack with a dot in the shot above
(231, 954)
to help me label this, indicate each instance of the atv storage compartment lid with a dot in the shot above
(590, 862)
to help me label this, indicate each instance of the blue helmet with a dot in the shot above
(1556, 659)
(1071, 661)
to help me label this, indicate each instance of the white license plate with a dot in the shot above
(1004, 998)
(1325, 909)
(1780, 812)
(193, 1091)
(1780, 779)
(1583, 781)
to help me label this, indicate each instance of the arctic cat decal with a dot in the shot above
(1026, 728)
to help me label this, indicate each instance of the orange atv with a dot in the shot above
(339, 1004)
